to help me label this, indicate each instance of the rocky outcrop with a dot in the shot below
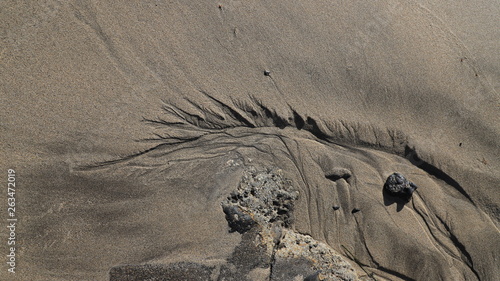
(262, 210)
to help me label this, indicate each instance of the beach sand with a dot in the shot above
(129, 124)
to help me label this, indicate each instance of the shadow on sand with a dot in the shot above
(390, 199)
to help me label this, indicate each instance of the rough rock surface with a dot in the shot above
(171, 272)
(296, 248)
(263, 196)
(397, 185)
(264, 202)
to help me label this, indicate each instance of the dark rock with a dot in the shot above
(237, 219)
(312, 277)
(355, 210)
(285, 269)
(247, 256)
(170, 272)
(335, 208)
(267, 72)
(397, 185)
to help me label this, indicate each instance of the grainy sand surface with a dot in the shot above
(129, 123)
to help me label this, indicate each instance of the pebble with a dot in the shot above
(397, 185)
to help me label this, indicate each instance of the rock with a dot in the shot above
(397, 185)
(301, 255)
(263, 196)
(237, 219)
(170, 272)
(261, 210)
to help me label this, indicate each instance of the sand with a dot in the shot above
(128, 124)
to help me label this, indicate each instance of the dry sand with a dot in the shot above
(357, 90)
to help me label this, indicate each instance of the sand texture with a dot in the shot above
(251, 140)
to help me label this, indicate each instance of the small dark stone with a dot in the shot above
(355, 210)
(267, 72)
(336, 208)
(397, 185)
(460, 144)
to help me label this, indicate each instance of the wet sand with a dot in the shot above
(129, 124)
